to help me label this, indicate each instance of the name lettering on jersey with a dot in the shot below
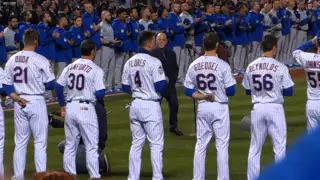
(313, 64)
(82, 67)
(21, 59)
(263, 66)
(137, 62)
(206, 65)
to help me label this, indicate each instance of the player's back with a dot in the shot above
(210, 75)
(28, 71)
(142, 71)
(311, 64)
(82, 76)
(266, 78)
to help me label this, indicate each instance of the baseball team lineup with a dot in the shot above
(28, 75)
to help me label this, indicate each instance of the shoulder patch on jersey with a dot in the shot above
(160, 70)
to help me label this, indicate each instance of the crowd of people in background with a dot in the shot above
(240, 25)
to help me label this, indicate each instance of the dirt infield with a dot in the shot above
(296, 74)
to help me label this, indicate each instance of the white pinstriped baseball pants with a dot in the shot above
(81, 121)
(313, 114)
(213, 119)
(33, 119)
(2, 137)
(266, 119)
(146, 122)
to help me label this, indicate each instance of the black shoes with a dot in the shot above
(176, 132)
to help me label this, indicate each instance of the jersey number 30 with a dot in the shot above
(76, 81)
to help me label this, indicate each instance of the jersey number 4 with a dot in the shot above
(262, 83)
(203, 84)
(20, 75)
(76, 81)
(137, 79)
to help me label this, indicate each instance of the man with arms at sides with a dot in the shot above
(84, 82)
(171, 70)
(267, 80)
(143, 76)
(28, 76)
(10, 36)
(25, 17)
(135, 30)
(164, 25)
(310, 63)
(107, 59)
(145, 20)
(211, 86)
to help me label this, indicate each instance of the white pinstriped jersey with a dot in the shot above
(2, 78)
(209, 74)
(82, 79)
(266, 78)
(311, 63)
(27, 71)
(141, 72)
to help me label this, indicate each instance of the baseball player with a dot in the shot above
(28, 76)
(303, 25)
(145, 21)
(84, 82)
(2, 125)
(267, 81)
(143, 76)
(210, 81)
(295, 21)
(276, 26)
(310, 61)
(78, 37)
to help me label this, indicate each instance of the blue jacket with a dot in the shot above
(63, 48)
(176, 25)
(255, 21)
(285, 15)
(164, 27)
(46, 46)
(135, 30)
(21, 28)
(240, 29)
(87, 21)
(313, 26)
(120, 30)
(3, 51)
(78, 37)
(228, 30)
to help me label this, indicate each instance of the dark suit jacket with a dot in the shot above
(169, 62)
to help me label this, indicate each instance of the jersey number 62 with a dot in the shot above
(206, 81)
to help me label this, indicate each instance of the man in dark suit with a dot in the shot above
(169, 63)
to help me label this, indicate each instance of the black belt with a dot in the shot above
(108, 45)
(154, 100)
(80, 101)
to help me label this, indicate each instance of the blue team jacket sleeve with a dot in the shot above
(8, 89)
(61, 43)
(100, 94)
(248, 92)
(160, 85)
(126, 88)
(172, 24)
(231, 91)
(50, 85)
(189, 92)
(305, 46)
(60, 95)
(288, 91)
(10, 48)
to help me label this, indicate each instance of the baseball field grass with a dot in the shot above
(178, 151)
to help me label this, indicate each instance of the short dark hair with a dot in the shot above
(120, 11)
(23, 15)
(87, 46)
(43, 14)
(12, 17)
(133, 8)
(76, 17)
(30, 36)
(210, 41)
(145, 37)
(268, 43)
